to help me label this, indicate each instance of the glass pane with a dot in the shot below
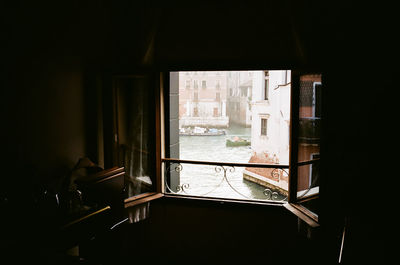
(135, 101)
(229, 118)
(309, 134)
(308, 180)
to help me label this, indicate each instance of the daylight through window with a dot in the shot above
(216, 145)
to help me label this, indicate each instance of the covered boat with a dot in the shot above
(200, 131)
(237, 141)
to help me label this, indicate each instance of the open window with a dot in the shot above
(179, 140)
(136, 135)
(240, 146)
(307, 121)
(214, 146)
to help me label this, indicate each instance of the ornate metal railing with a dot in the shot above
(221, 171)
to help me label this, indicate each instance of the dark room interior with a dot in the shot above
(59, 58)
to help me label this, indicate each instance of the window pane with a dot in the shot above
(309, 134)
(308, 182)
(263, 126)
(231, 122)
(266, 86)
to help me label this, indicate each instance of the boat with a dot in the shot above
(200, 131)
(237, 141)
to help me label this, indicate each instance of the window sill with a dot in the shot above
(302, 213)
(261, 101)
(298, 210)
(142, 198)
(222, 200)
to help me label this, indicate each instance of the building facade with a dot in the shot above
(202, 99)
(270, 123)
(240, 85)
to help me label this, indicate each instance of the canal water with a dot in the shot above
(205, 180)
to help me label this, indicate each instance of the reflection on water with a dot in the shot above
(209, 181)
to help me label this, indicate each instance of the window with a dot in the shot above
(195, 84)
(131, 104)
(222, 155)
(264, 126)
(215, 112)
(210, 153)
(266, 86)
(306, 135)
(187, 83)
(243, 91)
(203, 84)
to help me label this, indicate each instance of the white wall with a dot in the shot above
(277, 111)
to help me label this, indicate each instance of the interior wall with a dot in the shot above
(51, 48)
(49, 99)
(200, 232)
(46, 93)
(43, 139)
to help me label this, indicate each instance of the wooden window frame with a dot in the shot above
(294, 202)
(161, 113)
(159, 139)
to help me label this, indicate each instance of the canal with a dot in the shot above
(205, 180)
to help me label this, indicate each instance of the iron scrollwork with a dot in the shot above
(276, 174)
(180, 188)
(183, 187)
(230, 169)
(271, 195)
